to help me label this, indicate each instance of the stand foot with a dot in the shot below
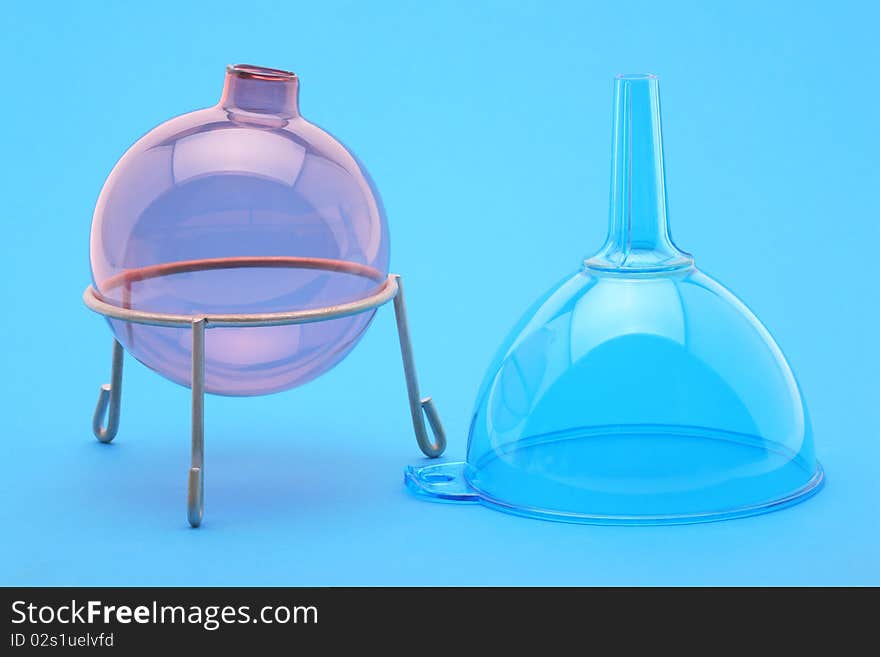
(109, 400)
(195, 497)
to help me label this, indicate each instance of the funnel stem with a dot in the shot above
(638, 233)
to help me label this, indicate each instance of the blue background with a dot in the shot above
(486, 126)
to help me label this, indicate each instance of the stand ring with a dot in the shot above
(384, 294)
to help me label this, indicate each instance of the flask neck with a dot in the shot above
(638, 229)
(260, 90)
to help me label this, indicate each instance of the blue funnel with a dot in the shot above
(639, 390)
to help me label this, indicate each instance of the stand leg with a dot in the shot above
(195, 502)
(417, 405)
(109, 400)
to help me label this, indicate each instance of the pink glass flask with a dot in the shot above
(193, 204)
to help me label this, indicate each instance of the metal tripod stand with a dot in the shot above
(105, 423)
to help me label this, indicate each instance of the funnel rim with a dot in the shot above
(810, 488)
(812, 468)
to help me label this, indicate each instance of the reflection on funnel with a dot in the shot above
(638, 390)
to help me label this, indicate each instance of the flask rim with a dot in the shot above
(253, 72)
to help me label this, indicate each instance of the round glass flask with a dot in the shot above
(193, 204)
(639, 390)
